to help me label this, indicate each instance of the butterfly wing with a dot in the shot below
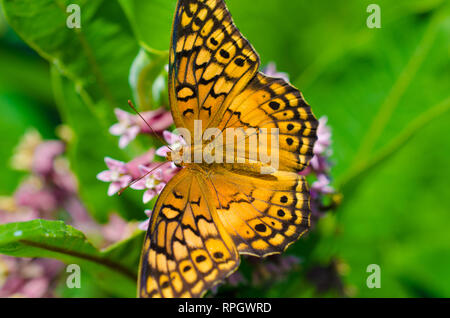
(273, 103)
(210, 63)
(187, 249)
(264, 214)
(213, 77)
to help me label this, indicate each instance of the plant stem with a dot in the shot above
(398, 90)
(95, 259)
(398, 143)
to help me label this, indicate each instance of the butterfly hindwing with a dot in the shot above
(187, 250)
(210, 62)
(264, 214)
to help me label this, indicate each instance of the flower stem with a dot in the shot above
(398, 90)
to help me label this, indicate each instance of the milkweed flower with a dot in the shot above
(28, 278)
(117, 175)
(151, 176)
(320, 166)
(144, 225)
(174, 141)
(322, 186)
(323, 143)
(271, 70)
(320, 163)
(152, 182)
(44, 157)
(50, 189)
(156, 176)
(50, 185)
(129, 125)
(22, 158)
(35, 195)
(116, 229)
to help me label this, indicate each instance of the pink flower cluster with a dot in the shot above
(149, 175)
(50, 185)
(29, 278)
(130, 126)
(144, 172)
(49, 189)
(320, 166)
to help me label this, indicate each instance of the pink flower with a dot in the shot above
(35, 288)
(127, 128)
(44, 157)
(129, 125)
(319, 163)
(321, 186)
(133, 167)
(271, 70)
(117, 229)
(159, 120)
(30, 278)
(144, 225)
(32, 194)
(117, 174)
(10, 212)
(153, 176)
(122, 174)
(153, 183)
(175, 142)
(324, 137)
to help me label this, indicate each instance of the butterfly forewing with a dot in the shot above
(211, 62)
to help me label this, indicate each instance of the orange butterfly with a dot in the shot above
(209, 213)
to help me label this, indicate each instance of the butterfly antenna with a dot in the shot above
(130, 103)
(140, 178)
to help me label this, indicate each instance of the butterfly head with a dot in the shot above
(176, 154)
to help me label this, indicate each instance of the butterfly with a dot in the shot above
(211, 213)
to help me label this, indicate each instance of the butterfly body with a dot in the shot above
(213, 211)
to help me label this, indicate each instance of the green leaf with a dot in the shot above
(18, 115)
(151, 21)
(96, 56)
(25, 75)
(90, 145)
(54, 239)
(128, 250)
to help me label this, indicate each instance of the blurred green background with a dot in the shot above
(386, 93)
